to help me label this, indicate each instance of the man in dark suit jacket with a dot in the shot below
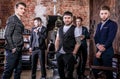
(104, 36)
(38, 46)
(14, 42)
(82, 52)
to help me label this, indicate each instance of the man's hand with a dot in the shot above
(30, 50)
(101, 47)
(74, 53)
(82, 37)
(13, 50)
(35, 30)
(98, 54)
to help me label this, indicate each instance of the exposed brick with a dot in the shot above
(61, 5)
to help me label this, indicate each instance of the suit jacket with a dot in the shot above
(106, 35)
(87, 36)
(41, 39)
(14, 32)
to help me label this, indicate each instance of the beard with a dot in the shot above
(104, 19)
(67, 24)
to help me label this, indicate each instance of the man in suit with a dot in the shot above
(14, 42)
(82, 52)
(67, 44)
(38, 46)
(104, 37)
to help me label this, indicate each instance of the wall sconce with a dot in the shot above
(1, 30)
(54, 1)
(54, 8)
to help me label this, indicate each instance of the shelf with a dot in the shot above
(26, 41)
(1, 64)
(2, 39)
(25, 50)
(1, 46)
(26, 62)
(26, 34)
(2, 55)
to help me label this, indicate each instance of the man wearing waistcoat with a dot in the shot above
(38, 47)
(67, 44)
(82, 52)
(104, 37)
(14, 43)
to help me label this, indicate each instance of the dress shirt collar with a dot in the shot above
(18, 16)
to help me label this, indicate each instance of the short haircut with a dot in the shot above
(20, 3)
(38, 19)
(68, 13)
(79, 18)
(105, 8)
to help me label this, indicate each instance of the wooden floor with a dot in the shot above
(26, 74)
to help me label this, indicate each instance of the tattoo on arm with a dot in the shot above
(78, 41)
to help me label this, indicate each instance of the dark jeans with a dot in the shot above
(13, 62)
(41, 55)
(65, 65)
(82, 54)
(103, 61)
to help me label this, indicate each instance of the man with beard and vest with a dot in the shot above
(67, 44)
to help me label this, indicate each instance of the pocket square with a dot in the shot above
(105, 27)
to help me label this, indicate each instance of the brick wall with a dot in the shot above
(6, 9)
(78, 7)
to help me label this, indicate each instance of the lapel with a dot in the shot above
(99, 27)
(105, 25)
(83, 30)
(42, 29)
(19, 21)
(33, 30)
